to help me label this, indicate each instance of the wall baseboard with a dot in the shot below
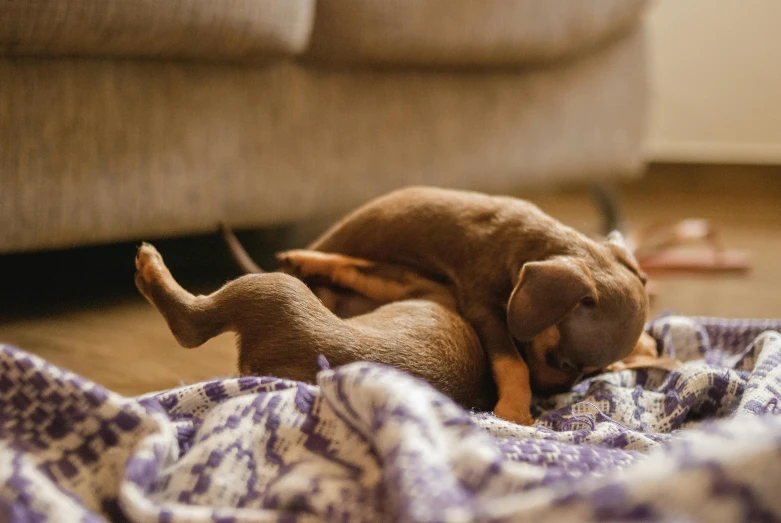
(713, 153)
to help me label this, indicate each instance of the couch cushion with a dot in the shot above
(465, 32)
(209, 29)
(106, 150)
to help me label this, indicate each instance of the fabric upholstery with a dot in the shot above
(466, 32)
(206, 29)
(102, 150)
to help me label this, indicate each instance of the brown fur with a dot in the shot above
(515, 272)
(282, 327)
(457, 261)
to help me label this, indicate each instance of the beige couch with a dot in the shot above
(128, 119)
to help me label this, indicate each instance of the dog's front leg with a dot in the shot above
(381, 282)
(509, 370)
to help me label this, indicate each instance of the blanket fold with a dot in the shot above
(370, 443)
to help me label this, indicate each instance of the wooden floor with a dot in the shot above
(80, 309)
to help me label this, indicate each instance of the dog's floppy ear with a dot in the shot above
(545, 293)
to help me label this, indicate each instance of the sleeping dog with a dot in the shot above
(485, 297)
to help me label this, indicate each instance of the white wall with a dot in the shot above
(716, 80)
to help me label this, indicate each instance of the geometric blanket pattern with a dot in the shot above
(370, 443)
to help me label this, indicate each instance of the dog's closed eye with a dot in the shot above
(588, 301)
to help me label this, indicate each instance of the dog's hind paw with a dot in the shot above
(149, 269)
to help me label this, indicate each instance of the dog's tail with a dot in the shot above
(240, 256)
(607, 204)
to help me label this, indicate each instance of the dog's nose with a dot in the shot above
(562, 363)
(568, 366)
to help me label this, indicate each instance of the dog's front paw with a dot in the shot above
(303, 263)
(293, 262)
(509, 411)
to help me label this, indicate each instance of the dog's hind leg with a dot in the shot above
(283, 328)
(247, 304)
(272, 313)
(192, 319)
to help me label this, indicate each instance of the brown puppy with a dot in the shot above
(282, 326)
(520, 278)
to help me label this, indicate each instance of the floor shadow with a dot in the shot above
(47, 282)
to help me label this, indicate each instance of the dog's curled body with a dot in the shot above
(447, 285)
(449, 355)
(509, 266)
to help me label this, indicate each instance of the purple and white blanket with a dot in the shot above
(369, 443)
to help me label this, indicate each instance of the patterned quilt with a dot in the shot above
(369, 443)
